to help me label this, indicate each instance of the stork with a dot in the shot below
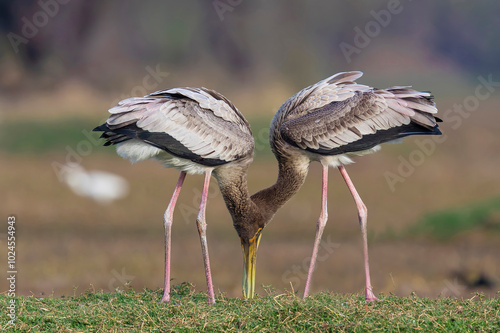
(337, 119)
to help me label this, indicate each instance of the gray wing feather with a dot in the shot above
(206, 126)
(335, 112)
(329, 90)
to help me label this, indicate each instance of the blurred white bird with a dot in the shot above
(103, 187)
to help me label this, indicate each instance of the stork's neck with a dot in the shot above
(251, 213)
(291, 176)
(234, 188)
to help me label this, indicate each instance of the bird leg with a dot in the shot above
(202, 230)
(167, 220)
(323, 217)
(363, 215)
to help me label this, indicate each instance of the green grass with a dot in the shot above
(188, 311)
(34, 137)
(443, 225)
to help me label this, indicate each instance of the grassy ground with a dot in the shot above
(326, 312)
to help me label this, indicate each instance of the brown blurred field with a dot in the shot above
(91, 54)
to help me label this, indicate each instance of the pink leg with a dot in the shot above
(202, 230)
(167, 220)
(323, 217)
(363, 215)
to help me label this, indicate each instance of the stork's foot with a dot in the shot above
(165, 298)
(370, 296)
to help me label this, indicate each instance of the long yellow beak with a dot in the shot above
(250, 256)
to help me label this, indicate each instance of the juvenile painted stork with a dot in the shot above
(336, 119)
(196, 131)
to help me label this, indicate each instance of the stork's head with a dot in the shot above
(250, 246)
(249, 228)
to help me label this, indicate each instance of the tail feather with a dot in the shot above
(418, 105)
(111, 137)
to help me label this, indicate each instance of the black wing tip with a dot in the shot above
(171, 145)
(371, 140)
(436, 131)
(108, 135)
(422, 130)
(101, 128)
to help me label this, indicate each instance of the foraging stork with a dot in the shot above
(197, 131)
(335, 119)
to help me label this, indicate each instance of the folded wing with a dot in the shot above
(193, 123)
(338, 116)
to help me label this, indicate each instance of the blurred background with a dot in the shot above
(87, 219)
